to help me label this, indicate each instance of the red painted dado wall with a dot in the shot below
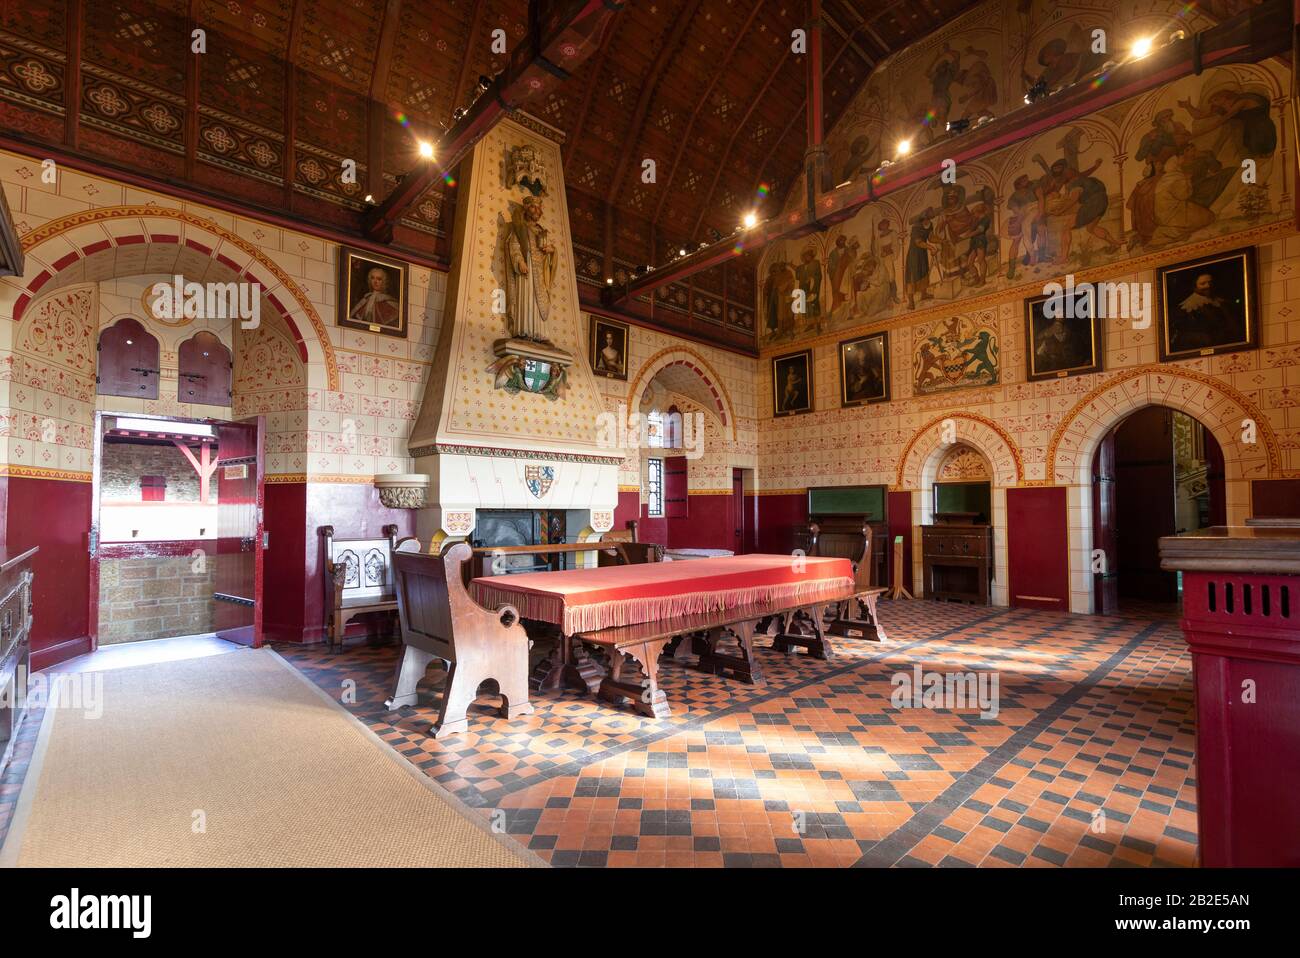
(780, 515)
(1275, 498)
(707, 525)
(55, 515)
(294, 592)
(1038, 559)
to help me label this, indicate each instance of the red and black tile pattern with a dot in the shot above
(1088, 761)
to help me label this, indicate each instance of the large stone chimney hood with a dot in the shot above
(508, 421)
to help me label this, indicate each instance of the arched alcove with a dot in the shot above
(961, 442)
(1227, 414)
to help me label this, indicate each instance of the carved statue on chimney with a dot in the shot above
(530, 262)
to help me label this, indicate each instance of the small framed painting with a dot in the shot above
(1208, 305)
(372, 292)
(864, 370)
(608, 350)
(1063, 335)
(792, 386)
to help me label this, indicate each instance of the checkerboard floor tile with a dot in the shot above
(1088, 760)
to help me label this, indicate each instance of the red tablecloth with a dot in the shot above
(583, 600)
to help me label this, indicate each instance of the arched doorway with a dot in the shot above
(1158, 472)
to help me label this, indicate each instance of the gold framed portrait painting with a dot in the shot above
(608, 349)
(864, 370)
(1209, 305)
(792, 386)
(372, 292)
(1068, 342)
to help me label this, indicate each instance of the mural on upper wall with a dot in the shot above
(1146, 174)
(955, 352)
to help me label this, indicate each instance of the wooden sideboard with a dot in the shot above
(957, 557)
(15, 644)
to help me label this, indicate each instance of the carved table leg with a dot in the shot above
(646, 696)
(805, 629)
(567, 666)
(856, 619)
(742, 666)
(685, 648)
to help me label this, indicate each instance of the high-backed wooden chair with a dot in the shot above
(358, 579)
(440, 620)
(856, 547)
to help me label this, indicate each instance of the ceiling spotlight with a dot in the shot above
(904, 147)
(751, 220)
(1141, 47)
(370, 198)
(682, 251)
(959, 126)
(426, 150)
(484, 82)
(1036, 92)
(609, 280)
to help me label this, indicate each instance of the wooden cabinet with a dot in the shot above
(957, 556)
(15, 644)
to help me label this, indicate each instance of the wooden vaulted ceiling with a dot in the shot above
(290, 89)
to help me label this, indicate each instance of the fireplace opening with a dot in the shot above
(507, 528)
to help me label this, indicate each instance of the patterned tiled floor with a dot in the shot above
(1088, 760)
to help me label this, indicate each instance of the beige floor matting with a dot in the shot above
(233, 760)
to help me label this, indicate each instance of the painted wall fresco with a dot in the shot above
(1151, 173)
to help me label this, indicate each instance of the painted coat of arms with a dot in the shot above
(539, 479)
(955, 352)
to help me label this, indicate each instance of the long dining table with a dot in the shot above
(575, 601)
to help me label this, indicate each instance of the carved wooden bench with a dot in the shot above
(440, 620)
(855, 616)
(358, 579)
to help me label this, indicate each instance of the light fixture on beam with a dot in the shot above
(904, 147)
(750, 220)
(1036, 92)
(1141, 47)
(959, 126)
(426, 150)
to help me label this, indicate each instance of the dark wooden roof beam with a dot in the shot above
(566, 37)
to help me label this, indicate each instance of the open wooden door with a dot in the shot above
(238, 592)
(738, 510)
(1106, 583)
